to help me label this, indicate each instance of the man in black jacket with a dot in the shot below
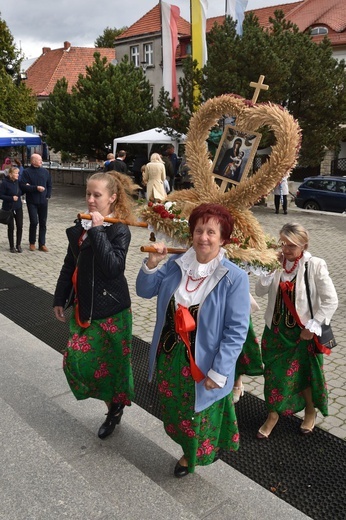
(119, 164)
(36, 182)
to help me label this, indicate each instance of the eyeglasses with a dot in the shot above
(288, 246)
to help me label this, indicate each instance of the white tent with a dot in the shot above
(150, 137)
(10, 136)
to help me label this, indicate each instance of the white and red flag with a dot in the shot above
(170, 15)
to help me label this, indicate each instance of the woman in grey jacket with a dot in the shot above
(203, 309)
(293, 370)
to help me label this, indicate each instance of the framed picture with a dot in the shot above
(234, 156)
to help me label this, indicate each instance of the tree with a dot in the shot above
(108, 101)
(302, 75)
(17, 106)
(107, 39)
(170, 117)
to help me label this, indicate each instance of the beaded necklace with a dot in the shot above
(289, 271)
(189, 278)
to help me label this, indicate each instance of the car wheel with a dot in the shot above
(311, 204)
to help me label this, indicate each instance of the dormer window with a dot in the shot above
(318, 31)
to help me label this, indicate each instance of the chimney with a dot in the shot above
(45, 50)
(67, 45)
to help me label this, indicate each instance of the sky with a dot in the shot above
(47, 23)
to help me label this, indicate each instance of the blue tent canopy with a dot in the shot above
(10, 136)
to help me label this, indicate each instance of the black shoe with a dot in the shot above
(19, 249)
(13, 250)
(180, 471)
(113, 418)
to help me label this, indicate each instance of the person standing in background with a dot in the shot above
(118, 164)
(36, 182)
(281, 190)
(6, 165)
(10, 193)
(174, 161)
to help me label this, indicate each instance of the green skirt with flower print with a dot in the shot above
(97, 360)
(199, 434)
(250, 360)
(290, 366)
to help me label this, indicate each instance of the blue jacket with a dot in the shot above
(222, 321)
(33, 177)
(9, 188)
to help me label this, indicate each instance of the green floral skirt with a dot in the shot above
(291, 366)
(199, 434)
(250, 360)
(97, 361)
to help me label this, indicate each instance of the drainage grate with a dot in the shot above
(307, 472)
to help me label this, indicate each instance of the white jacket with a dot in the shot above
(282, 187)
(323, 295)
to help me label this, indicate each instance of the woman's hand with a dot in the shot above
(59, 313)
(306, 335)
(97, 219)
(209, 384)
(15, 198)
(156, 258)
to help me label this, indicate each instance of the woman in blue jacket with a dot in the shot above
(203, 310)
(10, 193)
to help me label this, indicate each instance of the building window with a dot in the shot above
(317, 31)
(135, 55)
(148, 53)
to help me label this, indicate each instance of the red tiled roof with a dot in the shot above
(151, 23)
(66, 62)
(320, 12)
(303, 13)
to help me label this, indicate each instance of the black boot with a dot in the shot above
(113, 418)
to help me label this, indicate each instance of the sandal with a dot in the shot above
(238, 392)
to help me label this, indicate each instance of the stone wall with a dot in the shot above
(70, 177)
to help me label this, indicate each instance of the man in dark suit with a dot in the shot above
(36, 182)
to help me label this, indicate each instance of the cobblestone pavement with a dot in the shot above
(327, 232)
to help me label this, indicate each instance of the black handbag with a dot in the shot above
(5, 216)
(327, 338)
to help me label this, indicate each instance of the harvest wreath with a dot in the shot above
(250, 246)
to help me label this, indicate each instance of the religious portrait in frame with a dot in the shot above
(235, 155)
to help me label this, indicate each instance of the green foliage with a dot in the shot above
(167, 115)
(107, 39)
(108, 101)
(302, 75)
(17, 106)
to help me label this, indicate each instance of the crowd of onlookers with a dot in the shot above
(157, 175)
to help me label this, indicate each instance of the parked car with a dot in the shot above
(322, 193)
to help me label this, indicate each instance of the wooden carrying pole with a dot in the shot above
(170, 250)
(86, 216)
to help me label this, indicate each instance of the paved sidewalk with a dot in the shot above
(327, 240)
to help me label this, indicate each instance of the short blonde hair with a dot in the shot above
(156, 157)
(296, 234)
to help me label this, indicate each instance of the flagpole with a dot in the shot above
(160, 4)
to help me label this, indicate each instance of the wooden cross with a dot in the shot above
(258, 87)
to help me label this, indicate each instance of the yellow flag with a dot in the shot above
(198, 28)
